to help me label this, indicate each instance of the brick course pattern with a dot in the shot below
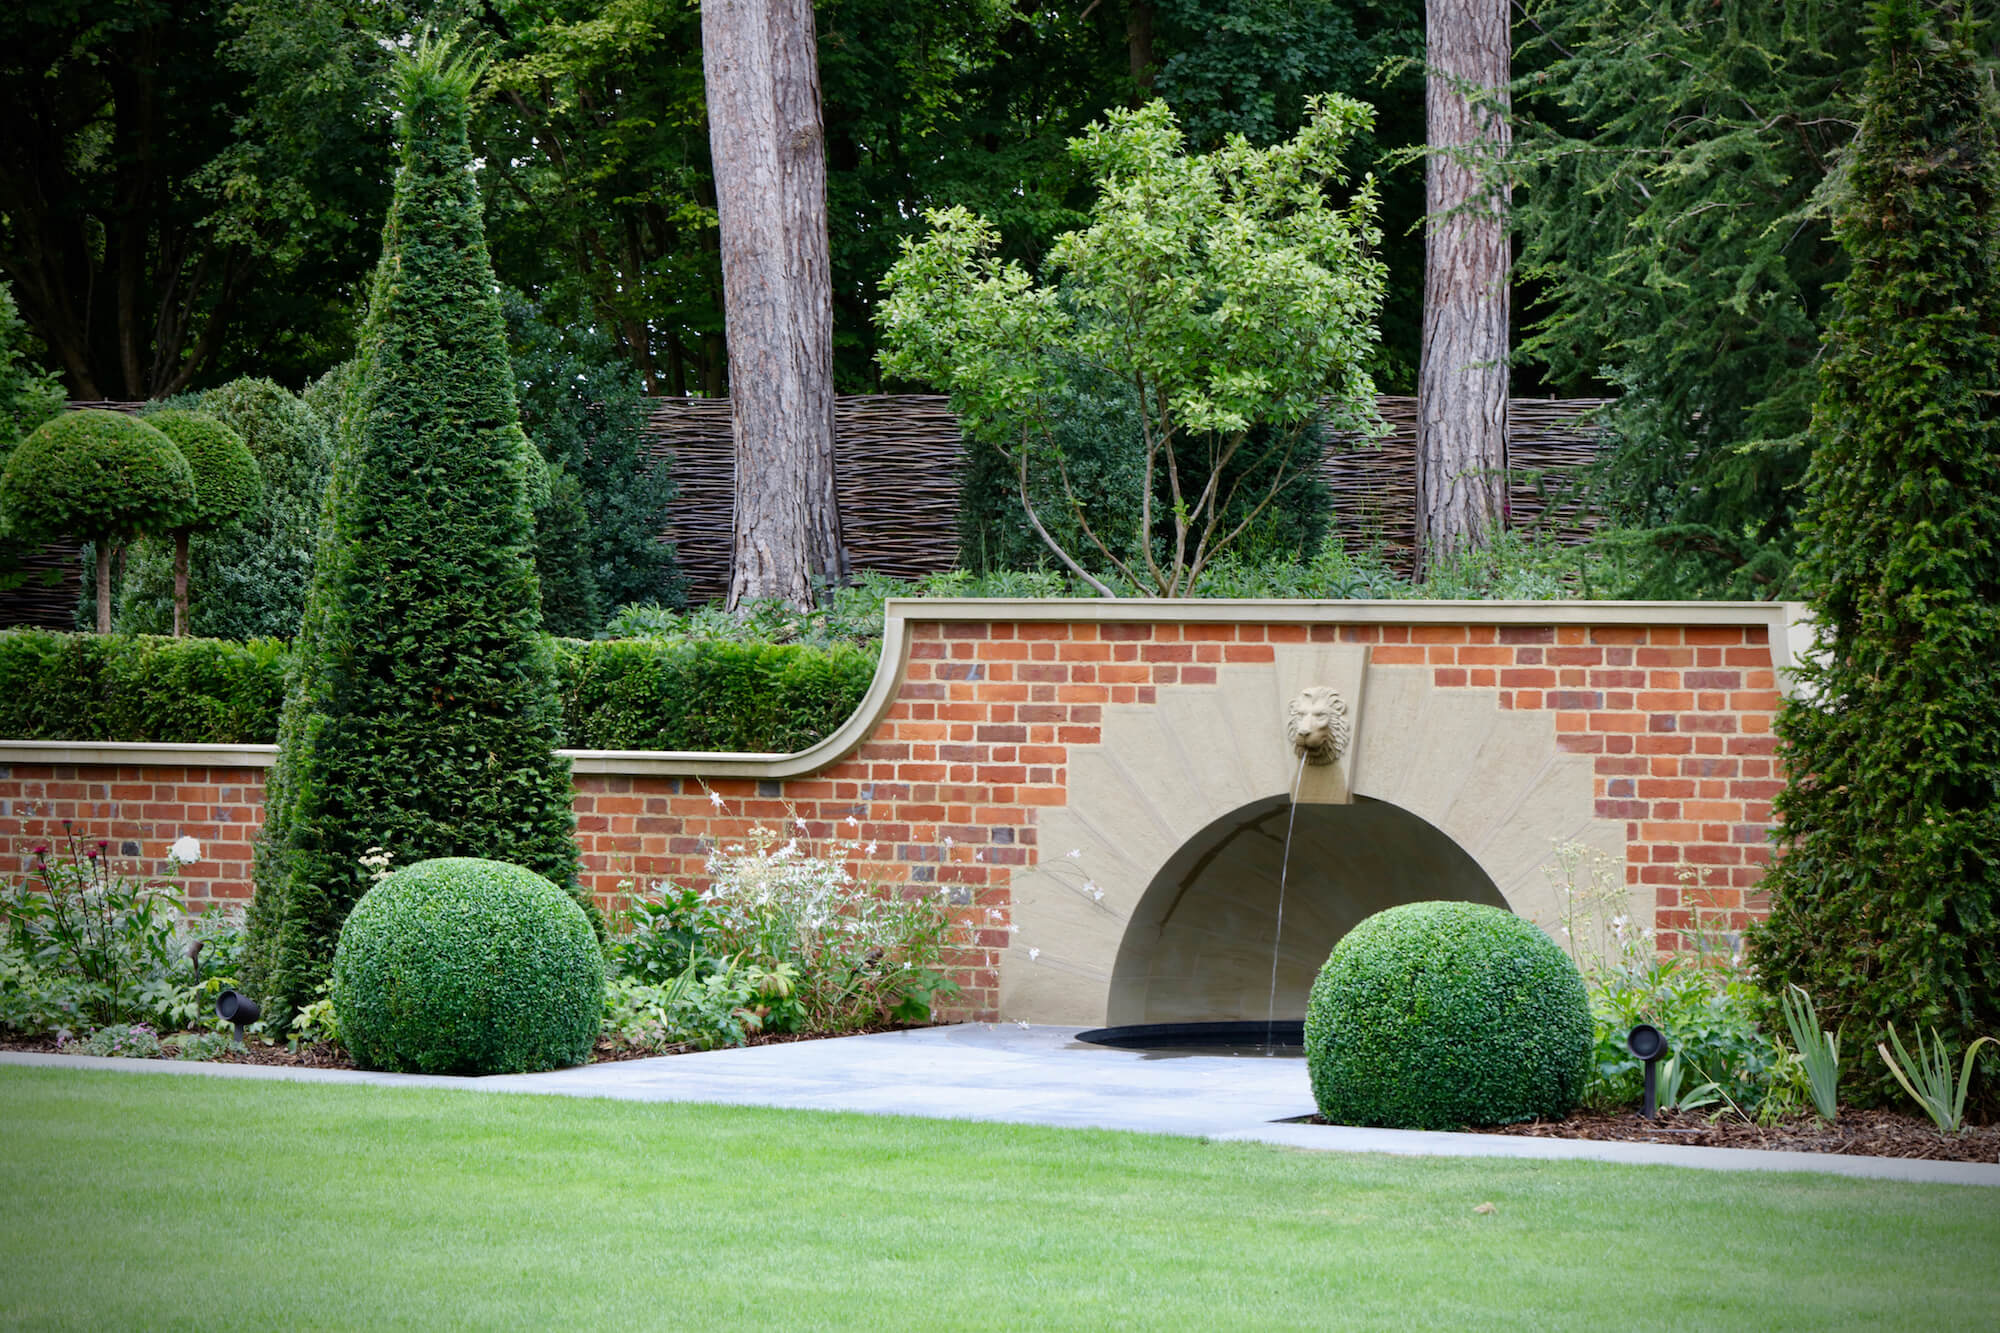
(944, 794)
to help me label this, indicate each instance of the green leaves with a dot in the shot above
(1224, 291)
(1886, 902)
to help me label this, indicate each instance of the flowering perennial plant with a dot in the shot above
(860, 956)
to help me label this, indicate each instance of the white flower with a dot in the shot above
(1021, 1023)
(949, 844)
(185, 851)
(870, 849)
(1073, 853)
(801, 823)
(852, 822)
(1033, 954)
(715, 799)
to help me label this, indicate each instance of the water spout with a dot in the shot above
(1277, 939)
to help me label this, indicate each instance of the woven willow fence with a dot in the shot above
(896, 458)
(896, 464)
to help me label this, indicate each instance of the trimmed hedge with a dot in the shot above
(116, 687)
(640, 694)
(465, 966)
(1438, 1015)
(635, 694)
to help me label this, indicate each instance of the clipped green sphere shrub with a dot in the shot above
(465, 966)
(1438, 1015)
(226, 477)
(96, 475)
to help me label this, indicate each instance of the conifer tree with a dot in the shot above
(422, 718)
(1884, 902)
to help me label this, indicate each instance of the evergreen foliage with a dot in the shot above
(28, 397)
(1438, 1015)
(585, 409)
(423, 719)
(247, 579)
(102, 476)
(639, 694)
(1885, 904)
(226, 479)
(460, 965)
(1675, 248)
(630, 694)
(117, 687)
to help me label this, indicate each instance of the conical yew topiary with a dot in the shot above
(1885, 903)
(422, 718)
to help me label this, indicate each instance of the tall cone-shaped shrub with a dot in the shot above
(422, 716)
(1884, 901)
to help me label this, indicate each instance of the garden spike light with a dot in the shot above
(1646, 1043)
(239, 1010)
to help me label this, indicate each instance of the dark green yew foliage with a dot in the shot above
(465, 966)
(1883, 904)
(1438, 1015)
(103, 476)
(422, 718)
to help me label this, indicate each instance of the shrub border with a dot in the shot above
(1787, 622)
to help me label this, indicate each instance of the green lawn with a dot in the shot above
(155, 1201)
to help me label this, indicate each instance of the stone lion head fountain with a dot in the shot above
(1316, 724)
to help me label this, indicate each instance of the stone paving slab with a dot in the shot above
(1042, 1076)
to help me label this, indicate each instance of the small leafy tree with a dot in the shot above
(226, 482)
(1225, 292)
(102, 476)
(423, 716)
(1886, 902)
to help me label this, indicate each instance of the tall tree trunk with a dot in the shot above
(104, 585)
(765, 135)
(180, 584)
(1462, 376)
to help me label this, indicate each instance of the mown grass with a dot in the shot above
(156, 1201)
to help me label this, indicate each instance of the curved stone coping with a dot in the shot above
(1786, 622)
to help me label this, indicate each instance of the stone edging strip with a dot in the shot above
(1785, 621)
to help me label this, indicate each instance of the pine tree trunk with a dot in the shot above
(1462, 378)
(103, 585)
(758, 60)
(180, 584)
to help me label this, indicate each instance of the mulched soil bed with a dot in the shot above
(326, 1056)
(1857, 1133)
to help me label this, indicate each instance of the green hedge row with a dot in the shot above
(621, 694)
(116, 687)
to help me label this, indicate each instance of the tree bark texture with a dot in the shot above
(1462, 373)
(104, 585)
(766, 137)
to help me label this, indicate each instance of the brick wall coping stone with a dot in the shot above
(1787, 623)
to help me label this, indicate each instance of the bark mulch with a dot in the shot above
(325, 1055)
(1862, 1133)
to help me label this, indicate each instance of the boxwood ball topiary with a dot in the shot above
(1436, 1015)
(465, 966)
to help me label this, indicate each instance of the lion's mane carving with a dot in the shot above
(1316, 724)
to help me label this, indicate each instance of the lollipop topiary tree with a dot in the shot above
(226, 482)
(422, 717)
(102, 476)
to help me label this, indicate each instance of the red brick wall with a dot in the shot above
(947, 788)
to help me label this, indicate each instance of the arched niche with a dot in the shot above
(1198, 946)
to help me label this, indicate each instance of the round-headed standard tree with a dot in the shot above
(226, 482)
(103, 476)
(422, 718)
(1885, 904)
